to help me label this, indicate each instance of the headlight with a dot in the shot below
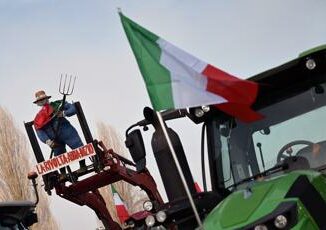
(280, 221)
(148, 205)
(261, 227)
(284, 216)
(150, 221)
(161, 216)
(310, 64)
(205, 108)
(161, 227)
(199, 112)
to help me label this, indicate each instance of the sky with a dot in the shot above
(41, 39)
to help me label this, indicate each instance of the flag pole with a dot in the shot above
(200, 224)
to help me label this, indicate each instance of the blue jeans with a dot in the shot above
(67, 136)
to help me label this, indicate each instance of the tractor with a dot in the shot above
(267, 174)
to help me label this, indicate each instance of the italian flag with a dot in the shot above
(176, 79)
(122, 212)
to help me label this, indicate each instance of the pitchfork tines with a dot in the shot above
(67, 86)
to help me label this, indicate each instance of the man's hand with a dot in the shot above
(51, 144)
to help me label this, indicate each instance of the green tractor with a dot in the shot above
(267, 174)
(274, 168)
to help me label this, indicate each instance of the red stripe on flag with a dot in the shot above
(243, 112)
(198, 189)
(240, 94)
(122, 213)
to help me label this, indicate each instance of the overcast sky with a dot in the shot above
(40, 39)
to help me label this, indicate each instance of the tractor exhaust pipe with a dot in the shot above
(168, 170)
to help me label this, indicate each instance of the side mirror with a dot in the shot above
(134, 142)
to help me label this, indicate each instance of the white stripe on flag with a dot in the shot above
(188, 84)
(187, 59)
(117, 199)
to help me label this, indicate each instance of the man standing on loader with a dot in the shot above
(53, 129)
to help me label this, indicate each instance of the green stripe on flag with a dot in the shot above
(148, 53)
(113, 189)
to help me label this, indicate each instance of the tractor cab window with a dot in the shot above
(225, 132)
(295, 126)
(303, 136)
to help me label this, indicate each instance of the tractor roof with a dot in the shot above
(291, 78)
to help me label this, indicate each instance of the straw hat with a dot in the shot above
(40, 95)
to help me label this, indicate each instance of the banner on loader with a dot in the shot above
(65, 159)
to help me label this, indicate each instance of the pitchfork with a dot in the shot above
(66, 90)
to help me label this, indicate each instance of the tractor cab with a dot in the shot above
(275, 167)
(292, 128)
